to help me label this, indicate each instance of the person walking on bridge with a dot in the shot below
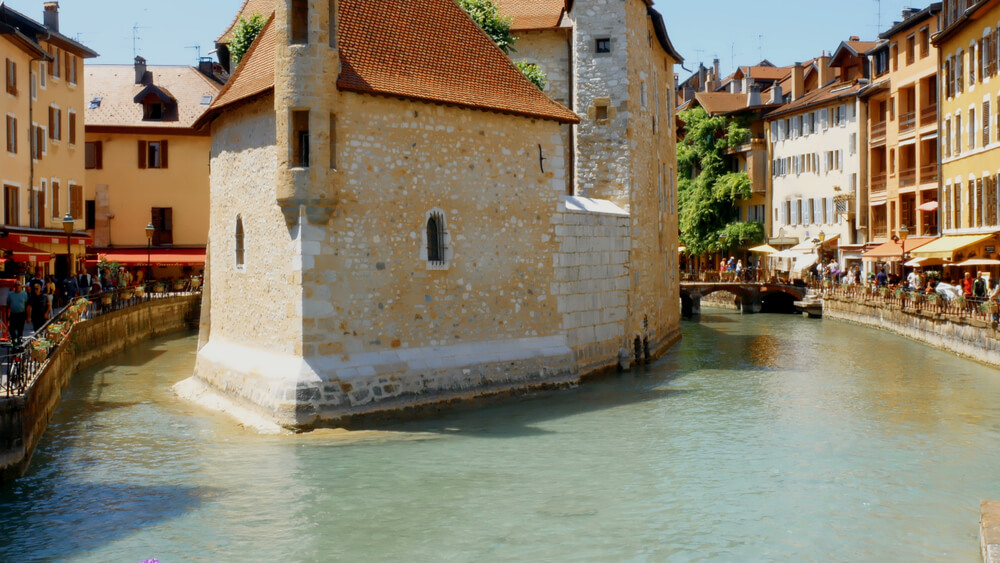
(17, 303)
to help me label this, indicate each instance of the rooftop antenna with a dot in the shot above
(878, 15)
(760, 46)
(136, 38)
(197, 49)
(697, 53)
(732, 56)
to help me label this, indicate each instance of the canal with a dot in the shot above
(758, 438)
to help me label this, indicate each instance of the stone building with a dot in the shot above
(41, 167)
(390, 224)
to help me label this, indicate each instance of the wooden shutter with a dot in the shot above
(52, 119)
(142, 154)
(163, 153)
(55, 199)
(66, 66)
(72, 128)
(99, 154)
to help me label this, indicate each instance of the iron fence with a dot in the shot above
(917, 301)
(22, 362)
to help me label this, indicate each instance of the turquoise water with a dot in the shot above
(758, 438)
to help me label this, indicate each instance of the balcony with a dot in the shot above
(907, 177)
(928, 116)
(878, 131)
(907, 121)
(929, 174)
(879, 182)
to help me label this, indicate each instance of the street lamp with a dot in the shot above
(903, 233)
(68, 224)
(150, 230)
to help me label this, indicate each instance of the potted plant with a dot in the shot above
(179, 285)
(159, 287)
(39, 349)
(106, 299)
(140, 292)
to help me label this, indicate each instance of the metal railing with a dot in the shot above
(928, 173)
(907, 121)
(977, 308)
(878, 130)
(908, 177)
(879, 182)
(22, 362)
(928, 115)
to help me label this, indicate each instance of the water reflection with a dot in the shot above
(757, 438)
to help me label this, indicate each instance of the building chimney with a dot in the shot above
(140, 70)
(777, 96)
(206, 66)
(826, 74)
(753, 97)
(854, 38)
(51, 15)
(798, 81)
(715, 67)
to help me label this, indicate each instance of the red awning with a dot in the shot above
(156, 257)
(929, 206)
(894, 249)
(21, 252)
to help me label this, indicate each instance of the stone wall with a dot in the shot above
(591, 281)
(973, 339)
(23, 419)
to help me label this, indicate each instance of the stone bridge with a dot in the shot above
(751, 295)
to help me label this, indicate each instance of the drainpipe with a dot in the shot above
(572, 127)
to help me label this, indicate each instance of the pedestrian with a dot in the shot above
(85, 281)
(979, 286)
(38, 308)
(739, 269)
(881, 279)
(994, 300)
(72, 289)
(17, 303)
(967, 285)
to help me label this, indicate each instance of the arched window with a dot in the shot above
(435, 239)
(239, 241)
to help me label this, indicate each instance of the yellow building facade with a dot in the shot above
(147, 165)
(970, 121)
(42, 163)
(902, 129)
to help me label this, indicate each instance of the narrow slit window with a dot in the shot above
(300, 138)
(239, 241)
(333, 24)
(602, 45)
(299, 17)
(435, 239)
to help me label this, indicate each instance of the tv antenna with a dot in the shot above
(760, 46)
(878, 16)
(136, 38)
(197, 49)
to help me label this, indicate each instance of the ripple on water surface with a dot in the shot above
(757, 438)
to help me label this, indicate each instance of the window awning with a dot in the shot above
(21, 252)
(929, 206)
(945, 247)
(893, 249)
(157, 257)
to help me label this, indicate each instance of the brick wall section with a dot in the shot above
(592, 284)
(23, 419)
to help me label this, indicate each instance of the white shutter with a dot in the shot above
(831, 211)
(782, 220)
(840, 160)
(853, 143)
(818, 211)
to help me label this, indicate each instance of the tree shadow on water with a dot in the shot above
(53, 523)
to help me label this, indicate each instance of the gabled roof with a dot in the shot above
(851, 49)
(159, 93)
(718, 103)
(247, 10)
(37, 32)
(120, 96)
(833, 92)
(763, 72)
(913, 20)
(22, 41)
(428, 50)
(975, 9)
(533, 14)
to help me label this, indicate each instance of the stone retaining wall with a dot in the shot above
(23, 419)
(969, 338)
(989, 531)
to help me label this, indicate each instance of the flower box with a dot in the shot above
(140, 292)
(159, 288)
(179, 286)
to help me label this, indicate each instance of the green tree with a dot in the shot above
(243, 36)
(486, 14)
(708, 191)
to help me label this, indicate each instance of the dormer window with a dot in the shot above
(154, 112)
(96, 103)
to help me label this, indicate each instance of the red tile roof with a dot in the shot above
(533, 14)
(835, 91)
(428, 50)
(247, 10)
(717, 103)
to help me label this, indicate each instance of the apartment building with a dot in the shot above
(902, 129)
(817, 161)
(42, 164)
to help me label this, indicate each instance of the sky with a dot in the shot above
(740, 32)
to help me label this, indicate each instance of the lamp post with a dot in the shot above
(68, 223)
(903, 233)
(150, 230)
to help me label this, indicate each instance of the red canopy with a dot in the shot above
(156, 257)
(21, 252)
